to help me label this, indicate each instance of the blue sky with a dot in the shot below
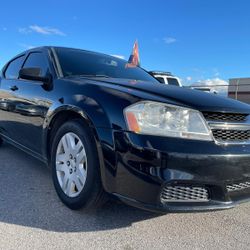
(197, 40)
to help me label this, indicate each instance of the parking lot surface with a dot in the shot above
(32, 217)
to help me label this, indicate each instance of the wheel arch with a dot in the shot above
(60, 116)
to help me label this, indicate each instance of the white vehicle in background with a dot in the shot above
(166, 77)
(205, 89)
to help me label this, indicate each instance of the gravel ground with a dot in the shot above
(32, 217)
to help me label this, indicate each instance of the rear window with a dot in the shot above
(78, 62)
(12, 71)
(173, 81)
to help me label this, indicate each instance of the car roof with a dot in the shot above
(41, 48)
(67, 48)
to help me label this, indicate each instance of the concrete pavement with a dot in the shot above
(32, 217)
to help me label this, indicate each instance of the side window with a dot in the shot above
(13, 68)
(160, 79)
(37, 60)
(173, 81)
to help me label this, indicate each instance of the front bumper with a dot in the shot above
(147, 164)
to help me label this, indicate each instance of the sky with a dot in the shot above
(198, 40)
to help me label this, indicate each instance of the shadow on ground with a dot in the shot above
(27, 198)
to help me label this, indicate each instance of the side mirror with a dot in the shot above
(33, 74)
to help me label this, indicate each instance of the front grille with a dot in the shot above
(184, 194)
(231, 135)
(225, 117)
(238, 187)
(236, 128)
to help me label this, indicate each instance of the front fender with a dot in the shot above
(86, 107)
(97, 120)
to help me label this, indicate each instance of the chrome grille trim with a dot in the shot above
(238, 187)
(184, 194)
(232, 130)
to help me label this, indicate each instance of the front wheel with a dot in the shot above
(75, 166)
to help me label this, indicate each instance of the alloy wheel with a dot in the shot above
(71, 164)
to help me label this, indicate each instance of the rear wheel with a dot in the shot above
(75, 166)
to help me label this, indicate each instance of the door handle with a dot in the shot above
(14, 88)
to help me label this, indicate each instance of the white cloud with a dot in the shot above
(169, 40)
(189, 78)
(41, 30)
(46, 30)
(220, 85)
(119, 56)
(214, 81)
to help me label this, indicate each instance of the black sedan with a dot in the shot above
(105, 127)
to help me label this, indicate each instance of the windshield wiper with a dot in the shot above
(85, 75)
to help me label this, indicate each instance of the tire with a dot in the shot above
(76, 168)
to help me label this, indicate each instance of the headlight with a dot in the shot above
(161, 119)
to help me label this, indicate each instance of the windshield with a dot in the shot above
(76, 62)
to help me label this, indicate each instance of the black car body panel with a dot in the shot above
(184, 96)
(134, 167)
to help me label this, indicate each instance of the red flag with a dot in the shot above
(134, 59)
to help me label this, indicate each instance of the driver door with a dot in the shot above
(31, 103)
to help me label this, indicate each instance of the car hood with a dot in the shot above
(188, 97)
